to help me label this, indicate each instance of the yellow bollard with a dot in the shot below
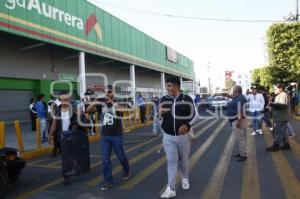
(2, 134)
(139, 117)
(19, 136)
(38, 134)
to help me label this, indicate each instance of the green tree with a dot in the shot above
(256, 76)
(284, 54)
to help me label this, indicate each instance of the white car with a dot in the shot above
(219, 102)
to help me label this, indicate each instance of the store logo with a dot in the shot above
(92, 23)
(47, 11)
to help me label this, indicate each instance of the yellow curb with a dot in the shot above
(36, 153)
(27, 155)
(296, 117)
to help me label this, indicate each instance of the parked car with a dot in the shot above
(219, 102)
(11, 166)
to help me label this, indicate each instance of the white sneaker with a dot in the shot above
(168, 193)
(254, 133)
(271, 129)
(185, 184)
(260, 131)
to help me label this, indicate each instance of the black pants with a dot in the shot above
(56, 143)
(142, 113)
(33, 121)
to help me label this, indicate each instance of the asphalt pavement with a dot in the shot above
(214, 172)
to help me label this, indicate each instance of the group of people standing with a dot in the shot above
(258, 107)
(178, 113)
(41, 110)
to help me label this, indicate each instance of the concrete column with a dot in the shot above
(133, 85)
(193, 87)
(180, 83)
(163, 83)
(82, 82)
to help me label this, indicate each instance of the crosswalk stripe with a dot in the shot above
(200, 123)
(60, 180)
(128, 150)
(213, 190)
(295, 148)
(55, 163)
(250, 184)
(37, 161)
(142, 175)
(199, 153)
(199, 133)
(286, 175)
(44, 166)
(119, 168)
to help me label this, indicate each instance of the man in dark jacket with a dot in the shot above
(281, 112)
(236, 113)
(179, 113)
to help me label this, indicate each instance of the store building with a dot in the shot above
(44, 41)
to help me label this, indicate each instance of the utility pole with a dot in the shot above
(297, 11)
(209, 89)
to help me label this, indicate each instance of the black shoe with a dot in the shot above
(273, 148)
(73, 172)
(106, 186)
(237, 155)
(286, 146)
(242, 159)
(126, 176)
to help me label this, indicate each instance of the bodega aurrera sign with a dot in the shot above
(47, 11)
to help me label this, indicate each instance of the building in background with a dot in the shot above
(242, 79)
(69, 38)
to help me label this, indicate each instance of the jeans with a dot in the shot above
(290, 128)
(266, 119)
(43, 128)
(107, 144)
(256, 120)
(280, 132)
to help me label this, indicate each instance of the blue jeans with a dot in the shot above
(107, 144)
(266, 119)
(256, 120)
(290, 128)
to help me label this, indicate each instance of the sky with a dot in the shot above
(234, 46)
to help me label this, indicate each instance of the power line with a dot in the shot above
(192, 17)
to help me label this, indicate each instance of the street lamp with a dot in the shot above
(209, 88)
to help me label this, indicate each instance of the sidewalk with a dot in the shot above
(29, 137)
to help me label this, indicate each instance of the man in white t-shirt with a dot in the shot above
(256, 104)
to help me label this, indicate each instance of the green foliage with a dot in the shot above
(284, 53)
(284, 56)
(256, 79)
